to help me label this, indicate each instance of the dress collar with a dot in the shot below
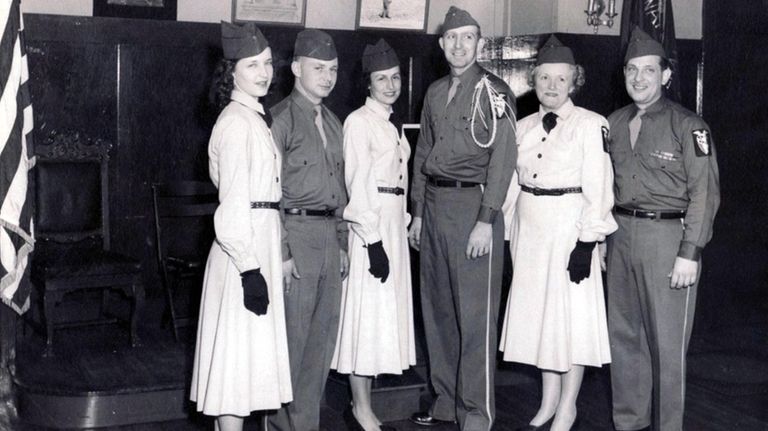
(379, 109)
(470, 75)
(563, 112)
(247, 100)
(302, 101)
(655, 107)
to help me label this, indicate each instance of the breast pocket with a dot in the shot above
(466, 141)
(302, 153)
(668, 172)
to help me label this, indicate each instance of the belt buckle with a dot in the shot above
(537, 191)
(399, 191)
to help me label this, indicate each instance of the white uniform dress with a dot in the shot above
(376, 326)
(241, 359)
(551, 322)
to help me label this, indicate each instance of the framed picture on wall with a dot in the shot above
(282, 12)
(409, 15)
(143, 9)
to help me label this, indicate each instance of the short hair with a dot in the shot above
(579, 77)
(222, 84)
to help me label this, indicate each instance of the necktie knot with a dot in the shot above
(549, 121)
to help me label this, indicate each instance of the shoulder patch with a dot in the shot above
(606, 138)
(703, 142)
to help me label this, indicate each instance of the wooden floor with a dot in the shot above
(727, 386)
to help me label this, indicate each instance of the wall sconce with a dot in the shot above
(595, 8)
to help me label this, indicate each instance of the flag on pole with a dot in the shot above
(16, 236)
(655, 18)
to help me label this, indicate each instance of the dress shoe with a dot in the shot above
(543, 427)
(425, 419)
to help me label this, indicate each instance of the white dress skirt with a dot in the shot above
(551, 322)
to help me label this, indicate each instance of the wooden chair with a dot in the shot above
(183, 235)
(72, 252)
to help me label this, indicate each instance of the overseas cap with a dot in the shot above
(555, 52)
(315, 44)
(640, 44)
(456, 17)
(379, 57)
(241, 41)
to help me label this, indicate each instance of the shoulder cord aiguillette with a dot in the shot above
(498, 104)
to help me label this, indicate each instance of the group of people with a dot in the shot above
(310, 269)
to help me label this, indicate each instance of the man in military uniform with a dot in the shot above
(315, 261)
(460, 182)
(667, 193)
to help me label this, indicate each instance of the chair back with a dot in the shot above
(183, 212)
(72, 190)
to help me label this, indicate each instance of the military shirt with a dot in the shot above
(313, 176)
(673, 166)
(446, 149)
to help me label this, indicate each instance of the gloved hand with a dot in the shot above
(581, 260)
(255, 292)
(379, 261)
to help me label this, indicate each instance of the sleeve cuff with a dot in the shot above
(689, 251)
(487, 214)
(417, 209)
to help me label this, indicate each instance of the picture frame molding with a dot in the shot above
(167, 12)
(359, 26)
(300, 23)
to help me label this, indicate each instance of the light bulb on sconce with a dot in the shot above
(595, 8)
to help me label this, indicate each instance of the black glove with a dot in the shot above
(379, 261)
(255, 294)
(581, 260)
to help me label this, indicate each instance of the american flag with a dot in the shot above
(16, 231)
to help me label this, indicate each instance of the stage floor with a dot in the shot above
(145, 388)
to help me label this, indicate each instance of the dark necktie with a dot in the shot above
(550, 121)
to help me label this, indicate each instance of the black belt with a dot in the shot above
(550, 192)
(440, 182)
(660, 214)
(266, 205)
(314, 213)
(397, 191)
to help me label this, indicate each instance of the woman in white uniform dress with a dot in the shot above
(376, 326)
(555, 317)
(241, 357)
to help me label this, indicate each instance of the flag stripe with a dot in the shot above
(10, 34)
(16, 124)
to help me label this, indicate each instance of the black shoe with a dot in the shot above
(425, 419)
(351, 421)
(543, 427)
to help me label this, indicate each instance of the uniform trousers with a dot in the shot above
(649, 324)
(460, 305)
(312, 309)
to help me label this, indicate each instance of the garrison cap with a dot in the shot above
(640, 44)
(379, 57)
(241, 41)
(456, 17)
(555, 52)
(315, 44)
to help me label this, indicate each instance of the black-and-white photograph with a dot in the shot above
(383, 215)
